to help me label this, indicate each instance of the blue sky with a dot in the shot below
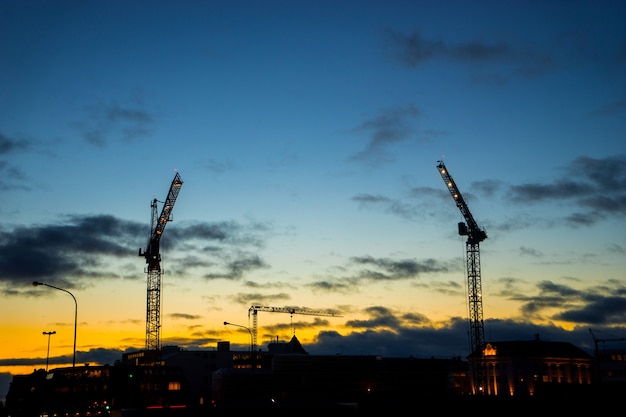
(307, 135)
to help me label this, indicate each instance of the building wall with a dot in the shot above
(517, 369)
(511, 376)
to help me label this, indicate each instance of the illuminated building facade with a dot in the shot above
(533, 367)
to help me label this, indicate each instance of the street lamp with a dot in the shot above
(251, 339)
(48, 353)
(35, 283)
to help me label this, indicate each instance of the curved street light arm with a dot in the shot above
(36, 283)
(226, 323)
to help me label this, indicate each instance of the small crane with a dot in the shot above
(253, 310)
(475, 235)
(153, 259)
(596, 341)
(597, 353)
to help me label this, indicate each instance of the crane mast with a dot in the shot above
(475, 235)
(153, 259)
(253, 310)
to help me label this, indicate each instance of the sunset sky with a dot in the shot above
(307, 135)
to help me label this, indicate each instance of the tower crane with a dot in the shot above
(253, 310)
(153, 259)
(599, 371)
(596, 341)
(475, 235)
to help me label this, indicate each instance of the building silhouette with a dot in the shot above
(521, 375)
(525, 367)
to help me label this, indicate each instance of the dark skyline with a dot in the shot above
(307, 136)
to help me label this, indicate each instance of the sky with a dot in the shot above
(307, 136)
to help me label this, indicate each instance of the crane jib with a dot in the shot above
(158, 224)
(474, 233)
(253, 310)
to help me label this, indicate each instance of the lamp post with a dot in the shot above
(251, 340)
(48, 352)
(36, 283)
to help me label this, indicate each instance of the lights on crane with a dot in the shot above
(474, 235)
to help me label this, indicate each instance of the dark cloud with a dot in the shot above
(584, 177)
(115, 113)
(227, 233)
(55, 253)
(218, 167)
(112, 121)
(596, 305)
(479, 51)
(380, 317)
(11, 176)
(269, 332)
(588, 191)
(94, 356)
(79, 248)
(9, 145)
(488, 188)
(395, 207)
(597, 185)
(403, 341)
(332, 286)
(603, 311)
(450, 288)
(366, 268)
(614, 108)
(548, 287)
(253, 284)
(607, 174)
(249, 299)
(389, 127)
(615, 248)
(559, 190)
(389, 269)
(503, 59)
(184, 316)
(217, 247)
(236, 268)
(413, 49)
(370, 199)
(414, 319)
(449, 340)
(530, 252)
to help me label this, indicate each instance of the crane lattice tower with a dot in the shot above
(153, 259)
(475, 235)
